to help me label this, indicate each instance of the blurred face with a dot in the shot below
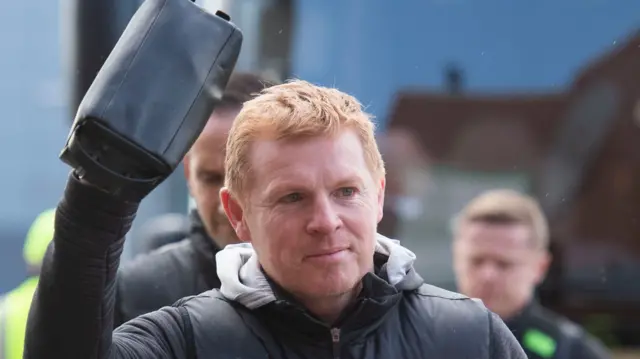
(498, 264)
(204, 170)
(311, 213)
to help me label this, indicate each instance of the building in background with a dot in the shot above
(578, 151)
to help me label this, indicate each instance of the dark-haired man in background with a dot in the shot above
(153, 280)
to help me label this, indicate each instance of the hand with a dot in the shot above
(145, 108)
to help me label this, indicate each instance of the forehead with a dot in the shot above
(207, 153)
(495, 238)
(308, 159)
(209, 147)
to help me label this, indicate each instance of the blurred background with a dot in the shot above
(542, 97)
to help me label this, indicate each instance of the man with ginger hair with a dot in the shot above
(304, 191)
(500, 255)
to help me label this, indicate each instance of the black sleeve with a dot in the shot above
(156, 335)
(72, 311)
(502, 343)
(587, 347)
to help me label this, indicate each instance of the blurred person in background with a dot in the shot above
(188, 267)
(500, 255)
(14, 306)
(161, 230)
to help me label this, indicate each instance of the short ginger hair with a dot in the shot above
(506, 206)
(292, 110)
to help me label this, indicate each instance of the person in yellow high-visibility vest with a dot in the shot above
(14, 306)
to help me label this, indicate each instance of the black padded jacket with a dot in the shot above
(547, 335)
(396, 315)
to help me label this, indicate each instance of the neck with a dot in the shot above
(508, 315)
(330, 308)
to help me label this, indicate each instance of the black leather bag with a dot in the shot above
(152, 97)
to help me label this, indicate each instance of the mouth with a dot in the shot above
(329, 255)
(485, 295)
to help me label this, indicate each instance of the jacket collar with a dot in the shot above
(244, 282)
(205, 249)
(521, 319)
(377, 299)
(199, 235)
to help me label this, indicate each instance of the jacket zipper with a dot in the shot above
(335, 340)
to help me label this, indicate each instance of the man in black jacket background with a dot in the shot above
(160, 278)
(500, 256)
(161, 230)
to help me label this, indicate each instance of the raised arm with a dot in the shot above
(72, 311)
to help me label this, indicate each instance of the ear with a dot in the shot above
(544, 262)
(235, 214)
(381, 188)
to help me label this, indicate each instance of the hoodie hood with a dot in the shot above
(243, 281)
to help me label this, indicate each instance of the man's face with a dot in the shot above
(498, 264)
(204, 170)
(311, 213)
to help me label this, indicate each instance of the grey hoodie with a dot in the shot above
(244, 282)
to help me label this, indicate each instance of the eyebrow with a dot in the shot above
(282, 189)
(354, 179)
(210, 171)
(289, 186)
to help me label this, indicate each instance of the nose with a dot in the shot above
(486, 273)
(324, 217)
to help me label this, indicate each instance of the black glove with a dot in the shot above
(152, 97)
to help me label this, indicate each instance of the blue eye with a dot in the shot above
(347, 192)
(292, 197)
